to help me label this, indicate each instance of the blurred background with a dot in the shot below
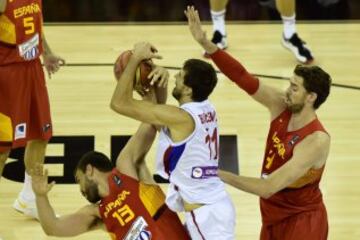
(162, 10)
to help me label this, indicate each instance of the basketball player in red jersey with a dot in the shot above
(24, 104)
(297, 147)
(125, 199)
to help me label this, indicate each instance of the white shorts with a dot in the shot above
(212, 221)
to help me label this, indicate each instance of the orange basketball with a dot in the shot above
(142, 72)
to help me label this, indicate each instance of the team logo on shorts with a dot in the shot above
(46, 127)
(29, 50)
(20, 131)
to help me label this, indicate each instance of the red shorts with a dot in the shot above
(24, 105)
(307, 225)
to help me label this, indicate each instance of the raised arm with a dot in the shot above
(268, 96)
(178, 120)
(84, 220)
(311, 153)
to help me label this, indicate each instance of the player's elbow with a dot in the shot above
(268, 189)
(49, 231)
(266, 194)
(119, 106)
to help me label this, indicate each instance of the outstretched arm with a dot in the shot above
(131, 160)
(311, 153)
(85, 219)
(270, 97)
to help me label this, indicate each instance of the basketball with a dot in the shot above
(142, 72)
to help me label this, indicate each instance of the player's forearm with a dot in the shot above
(208, 46)
(46, 47)
(235, 71)
(47, 215)
(252, 185)
(123, 93)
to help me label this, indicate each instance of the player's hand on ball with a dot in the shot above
(159, 76)
(145, 50)
(150, 95)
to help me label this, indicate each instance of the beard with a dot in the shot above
(92, 192)
(176, 94)
(296, 108)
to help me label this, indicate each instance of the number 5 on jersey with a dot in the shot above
(29, 25)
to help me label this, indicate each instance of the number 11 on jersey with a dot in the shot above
(212, 142)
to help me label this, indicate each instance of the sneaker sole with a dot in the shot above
(295, 51)
(22, 208)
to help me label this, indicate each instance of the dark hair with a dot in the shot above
(315, 80)
(96, 159)
(201, 77)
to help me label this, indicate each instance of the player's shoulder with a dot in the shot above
(317, 139)
(91, 209)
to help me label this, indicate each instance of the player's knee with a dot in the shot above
(37, 144)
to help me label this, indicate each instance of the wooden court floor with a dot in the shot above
(80, 98)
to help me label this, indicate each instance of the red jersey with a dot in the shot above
(135, 211)
(302, 195)
(20, 31)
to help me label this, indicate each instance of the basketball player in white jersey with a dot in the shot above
(188, 144)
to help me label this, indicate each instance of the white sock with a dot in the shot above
(218, 19)
(289, 26)
(27, 193)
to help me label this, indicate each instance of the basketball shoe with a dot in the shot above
(28, 208)
(298, 48)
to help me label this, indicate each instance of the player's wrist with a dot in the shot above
(209, 46)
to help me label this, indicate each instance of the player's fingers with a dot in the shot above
(48, 71)
(157, 56)
(187, 12)
(156, 78)
(152, 73)
(190, 13)
(164, 80)
(51, 185)
(61, 61)
(196, 17)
